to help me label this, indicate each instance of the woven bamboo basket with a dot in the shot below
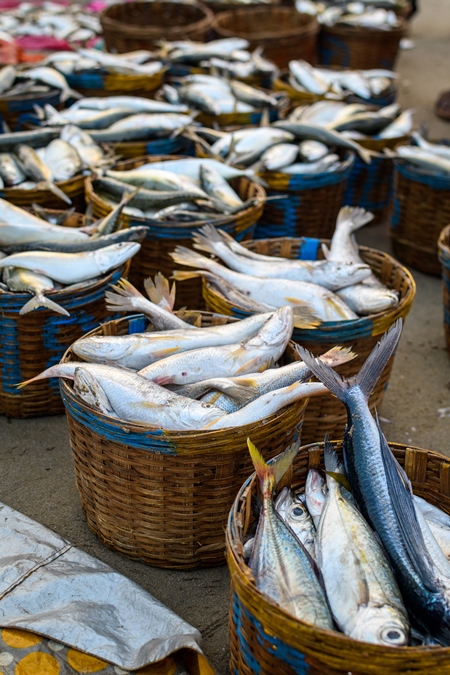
(162, 238)
(372, 185)
(103, 83)
(421, 210)
(325, 414)
(19, 111)
(218, 7)
(161, 496)
(37, 340)
(284, 33)
(267, 640)
(141, 25)
(310, 205)
(360, 48)
(444, 257)
(73, 188)
(281, 83)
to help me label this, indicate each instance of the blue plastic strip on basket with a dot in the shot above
(155, 231)
(86, 80)
(137, 324)
(369, 176)
(309, 249)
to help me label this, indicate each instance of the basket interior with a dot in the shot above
(153, 16)
(263, 22)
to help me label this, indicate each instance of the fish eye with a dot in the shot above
(207, 405)
(392, 635)
(298, 511)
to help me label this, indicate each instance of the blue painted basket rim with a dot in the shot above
(310, 181)
(415, 173)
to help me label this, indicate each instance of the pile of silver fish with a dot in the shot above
(215, 95)
(339, 84)
(340, 288)
(140, 62)
(187, 377)
(383, 553)
(317, 7)
(73, 22)
(356, 121)
(228, 57)
(33, 160)
(38, 256)
(40, 79)
(430, 157)
(183, 190)
(361, 15)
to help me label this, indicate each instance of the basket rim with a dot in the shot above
(243, 574)
(345, 165)
(30, 97)
(145, 429)
(11, 191)
(402, 308)
(181, 226)
(365, 31)
(132, 30)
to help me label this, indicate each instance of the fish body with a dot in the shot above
(424, 159)
(157, 179)
(63, 160)
(71, 268)
(135, 399)
(217, 187)
(291, 509)
(142, 126)
(360, 585)
(384, 495)
(190, 167)
(139, 350)
(53, 78)
(278, 156)
(252, 354)
(134, 103)
(366, 300)
(315, 494)
(282, 569)
(38, 171)
(10, 170)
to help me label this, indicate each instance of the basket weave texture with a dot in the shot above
(35, 341)
(325, 414)
(444, 257)
(141, 25)
(284, 33)
(421, 210)
(179, 145)
(73, 188)
(158, 496)
(154, 255)
(372, 185)
(360, 48)
(268, 641)
(103, 83)
(19, 111)
(310, 207)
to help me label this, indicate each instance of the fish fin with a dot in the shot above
(162, 353)
(159, 291)
(356, 215)
(185, 256)
(403, 503)
(336, 356)
(376, 362)
(369, 373)
(70, 93)
(243, 393)
(205, 238)
(265, 118)
(178, 275)
(42, 301)
(58, 192)
(333, 466)
(121, 300)
(304, 316)
(274, 471)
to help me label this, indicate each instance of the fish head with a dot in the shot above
(276, 332)
(198, 414)
(346, 273)
(292, 510)
(116, 254)
(384, 625)
(380, 300)
(315, 492)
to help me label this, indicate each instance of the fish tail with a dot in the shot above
(377, 360)
(58, 192)
(121, 300)
(54, 371)
(159, 291)
(337, 356)
(70, 93)
(206, 237)
(274, 471)
(334, 468)
(42, 301)
(332, 380)
(185, 256)
(356, 215)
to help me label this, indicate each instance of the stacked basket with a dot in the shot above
(160, 496)
(325, 414)
(162, 237)
(444, 257)
(265, 639)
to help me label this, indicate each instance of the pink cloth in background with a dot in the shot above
(32, 43)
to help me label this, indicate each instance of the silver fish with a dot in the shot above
(63, 160)
(38, 171)
(21, 280)
(290, 508)
(10, 170)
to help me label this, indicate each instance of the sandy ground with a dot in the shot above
(36, 465)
